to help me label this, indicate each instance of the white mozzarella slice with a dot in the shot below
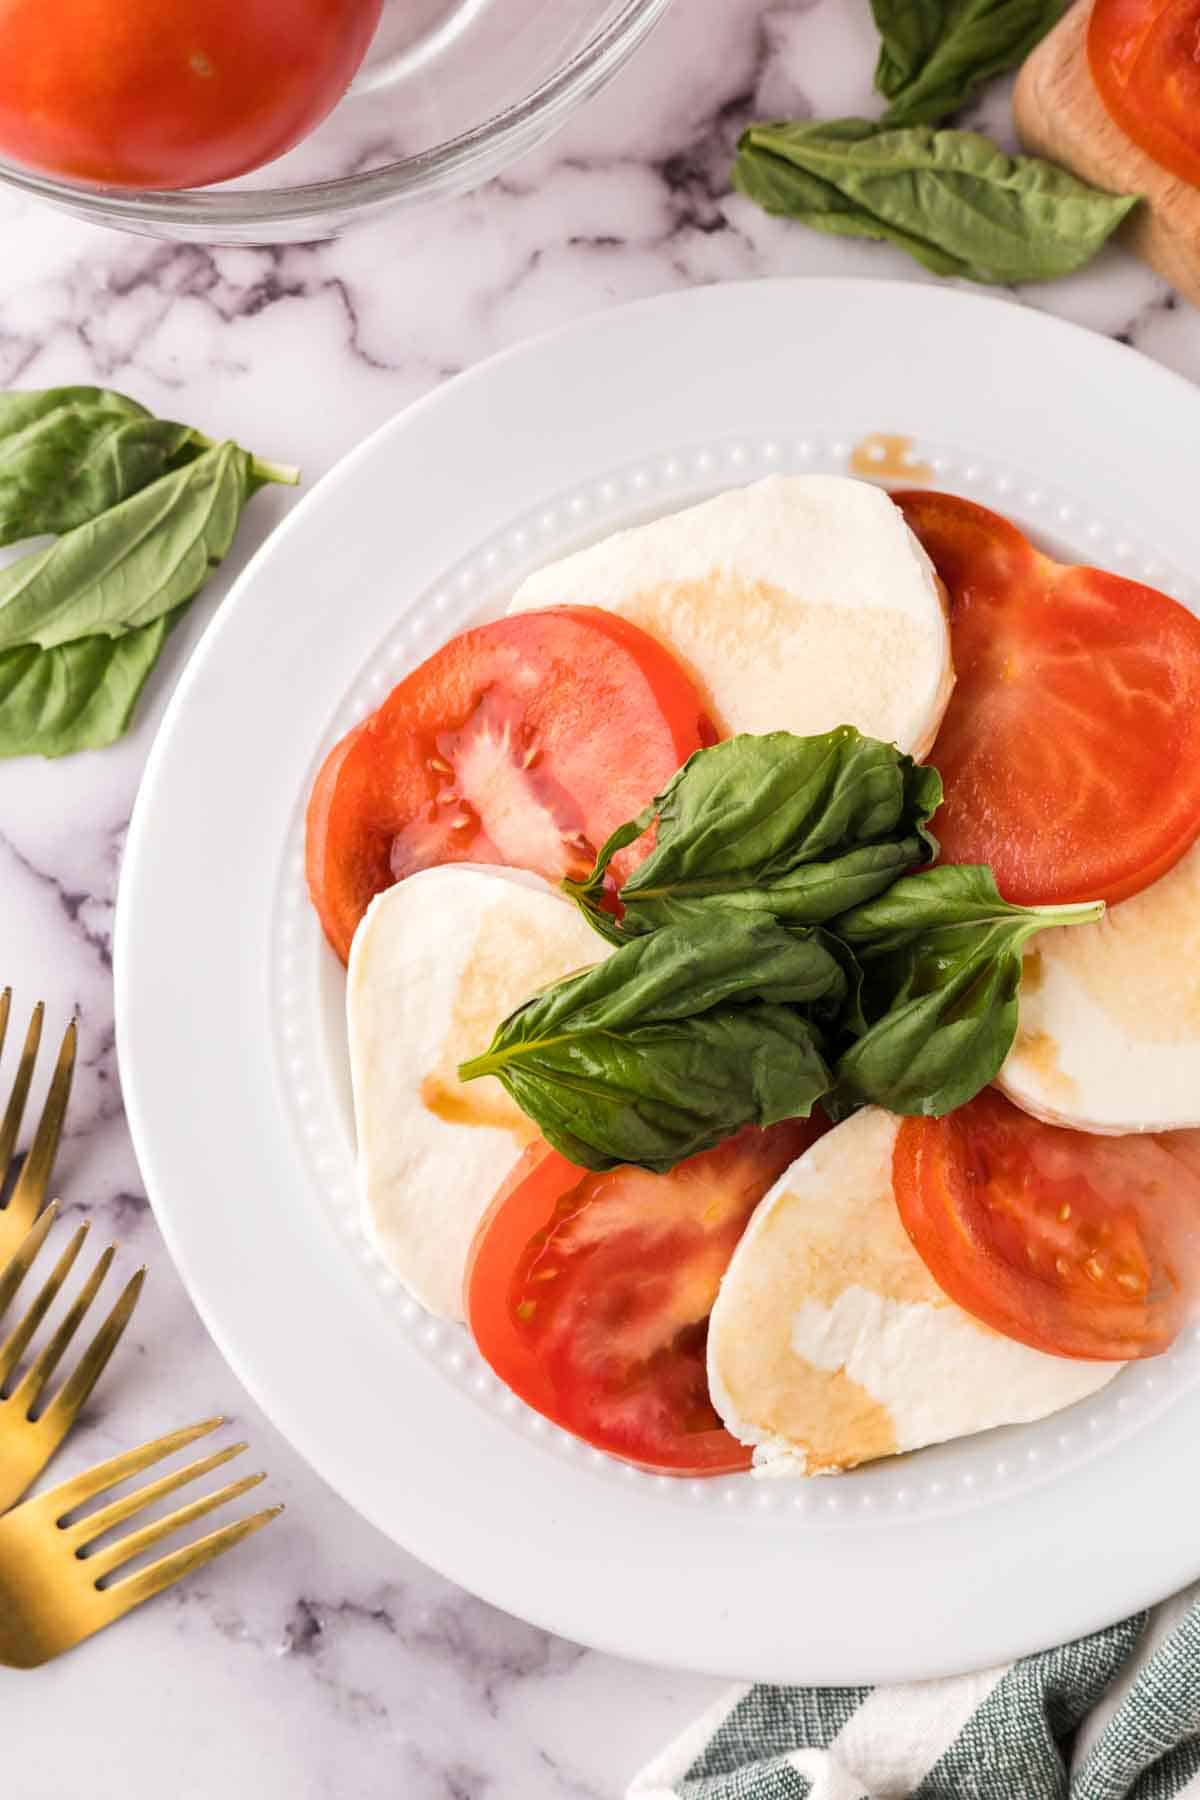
(1109, 1032)
(436, 963)
(831, 1344)
(799, 603)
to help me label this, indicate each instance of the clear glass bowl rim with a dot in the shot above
(451, 167)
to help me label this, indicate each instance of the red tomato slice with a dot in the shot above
(589, 1295)
(523, 742)
(1079, 1245)
(1145, 61)
(1071, 746)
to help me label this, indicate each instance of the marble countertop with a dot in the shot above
(321, 1662)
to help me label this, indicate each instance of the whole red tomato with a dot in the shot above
(171, 93)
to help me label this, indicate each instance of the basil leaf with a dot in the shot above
(939, 1000)
(796, 828)
(144, 509)
(21, 407)
(77, 460)
(952, 199)
(78, 696)
(135, 563)
(954, 894)
(674, 1042)
(934, 53)
(771, 169)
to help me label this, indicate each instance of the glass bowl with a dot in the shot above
(450, 92)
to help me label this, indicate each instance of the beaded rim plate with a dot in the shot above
(1010, 1540)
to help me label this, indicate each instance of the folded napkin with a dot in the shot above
(1114, 1716)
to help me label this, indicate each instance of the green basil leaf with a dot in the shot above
(956, 894)
(21, 407)
(936, 1050)
(796, 828)
(77, 696)
(951, 199)
(772, 169)
(939, 1001)
(77, 460)
(674, 1042)
(133, 564)
(145, 509)
(934, 53)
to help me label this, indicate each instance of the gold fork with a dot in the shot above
(27, 1442)
(51, 1592)
(29, 1193)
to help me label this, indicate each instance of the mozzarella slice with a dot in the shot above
(831, 1344)
(436, 963)
(799, 603)
(1109, 1032)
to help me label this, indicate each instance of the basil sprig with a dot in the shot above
(678, 1039)
(934, 53)
(951, 199)
(936, 1011)
(798, 829)
(146, 509)
(773, 950)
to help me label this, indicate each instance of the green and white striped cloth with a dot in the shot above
(1115, 1716)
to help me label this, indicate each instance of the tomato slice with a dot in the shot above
(1145, 60)
(589, 1295)
(523, 742)
(1071, 746)
(1078, 1245)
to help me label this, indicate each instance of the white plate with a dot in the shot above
(229, 1030)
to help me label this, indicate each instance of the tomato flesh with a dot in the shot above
(1078, 1245)
(1070, 750)
(589, 1295)
(1145, 60)
(524, 742)
(138, 94)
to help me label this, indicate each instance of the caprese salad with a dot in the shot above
(773, 978)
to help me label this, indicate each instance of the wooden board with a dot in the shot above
(1060, 115)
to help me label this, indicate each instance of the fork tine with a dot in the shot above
(123, 1596)
(35, 1378)
(15, 1110)
(62, 1411)
(5, 1006)
(85, 1531)
(22, 1260)
(34, 1178)
(14, 1346)
(89, 1483)
(103, 1562)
